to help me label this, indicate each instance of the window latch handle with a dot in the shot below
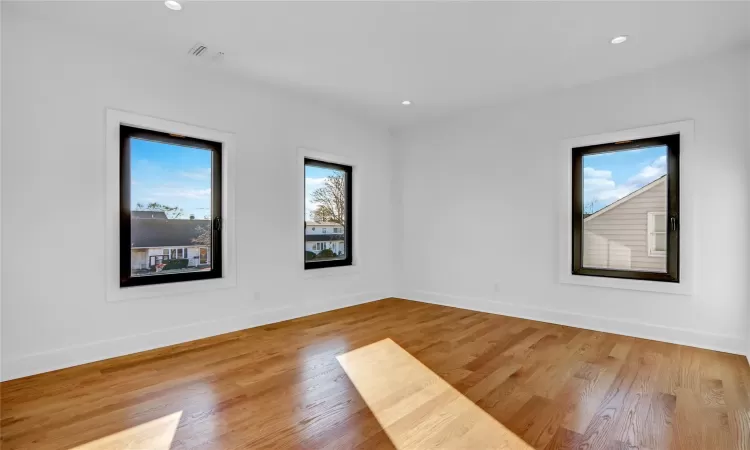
(673, 222)
(217, 224)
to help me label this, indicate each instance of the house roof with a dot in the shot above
(322, 224)
(148, 215)
(165, 233)
(323, 237)
(627, 198)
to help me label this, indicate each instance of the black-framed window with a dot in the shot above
(626, 209)
(170, 208)
(328, 204)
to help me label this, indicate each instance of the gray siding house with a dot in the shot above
(155, 240)
(630, 233)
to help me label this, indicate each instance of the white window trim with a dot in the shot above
(356, 266)
(687, 220)
(229, 267)
(651, 238)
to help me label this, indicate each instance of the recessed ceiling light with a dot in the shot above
(406, 103)
(619, 39)
(174, 5)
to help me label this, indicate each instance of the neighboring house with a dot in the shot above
(157, 240)
(324, 235)
(630, 233)
(148, 215)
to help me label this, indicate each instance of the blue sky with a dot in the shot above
(315, 178)
(608, 177)
(171, 175)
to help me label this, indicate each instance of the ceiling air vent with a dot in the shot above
(198, 50)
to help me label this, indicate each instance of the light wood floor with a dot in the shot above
(392, 374)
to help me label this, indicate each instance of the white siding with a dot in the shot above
(318, 229)
(138, 259)
(339, 246)
(141, 258)
(618, 238)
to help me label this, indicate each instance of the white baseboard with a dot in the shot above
(682, 336)
(96, 351)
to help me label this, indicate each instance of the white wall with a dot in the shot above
(1, 196)
(500, 168)
(56, 88)
(488, 177)
(747, 166)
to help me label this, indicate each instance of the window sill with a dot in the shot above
(681, 288)
(331, 272)
(184, 288)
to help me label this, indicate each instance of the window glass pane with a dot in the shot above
(660, 222)
(620, 189)
(325, 213)
(660, 242)
(170, 191)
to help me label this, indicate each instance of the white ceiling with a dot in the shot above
(443, 56)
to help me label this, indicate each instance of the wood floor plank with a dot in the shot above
(658, 427)
(564, 439)
(283, 385)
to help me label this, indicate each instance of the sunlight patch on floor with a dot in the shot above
(417, 408)
(154, 435)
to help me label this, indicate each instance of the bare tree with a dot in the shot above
(589, 208)
(204, 235)
(330, 200)
(172, 212)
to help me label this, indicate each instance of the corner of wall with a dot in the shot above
(674, 335)
(1, 193)
(747, 168)
(528, 129)
(397, 214)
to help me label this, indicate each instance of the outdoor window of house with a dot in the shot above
(328, 200)
(170, 203)
(626, 209)
(657, 234)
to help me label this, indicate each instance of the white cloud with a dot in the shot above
(590, 172)
(184, 193)
(650, 173)
(599, 186)
(314, 183)
(199, 174)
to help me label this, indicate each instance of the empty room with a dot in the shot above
(374, 225)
